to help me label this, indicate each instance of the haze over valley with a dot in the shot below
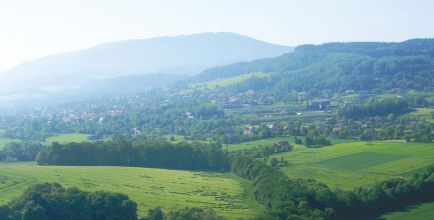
(182, 55)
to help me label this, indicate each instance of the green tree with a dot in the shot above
(274, 162)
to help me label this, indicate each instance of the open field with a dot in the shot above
(415, 212)
(64, 138)
(350, 165)
(423, 113)
(222, 82)
(170, 189)
(364, 160)
(270, 141)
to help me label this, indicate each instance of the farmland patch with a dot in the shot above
(402, 166)
(334, 178)
(358, 161)
(64, 138)
(170, 189)
(415, 212)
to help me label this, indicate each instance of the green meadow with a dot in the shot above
(271, 141)
(349, 165)
(65, 138)
(170, 189)
(415, 212)
(222, 82)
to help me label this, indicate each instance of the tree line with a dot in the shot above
(287, 198)
(144, 153)
(378, 108)
(20, 151)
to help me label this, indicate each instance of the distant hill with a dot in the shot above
(339, 67)
(189, 54)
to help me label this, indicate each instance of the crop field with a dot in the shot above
(64, 138)
(222, 82)
(350, 165)
(403, 166)
(170, 189)
(270, 141)
(364, 160)
(415, 212)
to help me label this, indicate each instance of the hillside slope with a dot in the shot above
(177, 55)
(340, 67)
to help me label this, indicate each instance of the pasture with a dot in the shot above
(170, 189)
(423, 113)
(349, 165)
(66, 138)
(414, 212)
(271, 141)
(223, 82)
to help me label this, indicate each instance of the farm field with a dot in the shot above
(423, 113)
(222, 82)
(64, 138)
(270, 141)
(414, 212)
(170, 189)
(349, 165)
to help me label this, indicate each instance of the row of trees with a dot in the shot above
(20, 151)
(379, 108)
(145, 153)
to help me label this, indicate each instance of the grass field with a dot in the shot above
(416, 212)
(222, 82)
(4, 141)
(170, 189)
(350, 165)
(64, 138)
(364, 160)
(423, 113)
(270, 141)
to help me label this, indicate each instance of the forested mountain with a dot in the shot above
(178, 55)
(340, 67)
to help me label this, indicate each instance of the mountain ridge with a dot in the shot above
(183, 54)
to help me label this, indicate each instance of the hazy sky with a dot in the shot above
(30, 29)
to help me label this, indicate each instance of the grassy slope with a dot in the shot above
(415, 212)
(64, 138)
(270, 141)
(170, 189)
(349, 165)
(222, 82)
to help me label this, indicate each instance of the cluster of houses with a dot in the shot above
(74, 118)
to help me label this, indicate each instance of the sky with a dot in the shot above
(32, 29)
